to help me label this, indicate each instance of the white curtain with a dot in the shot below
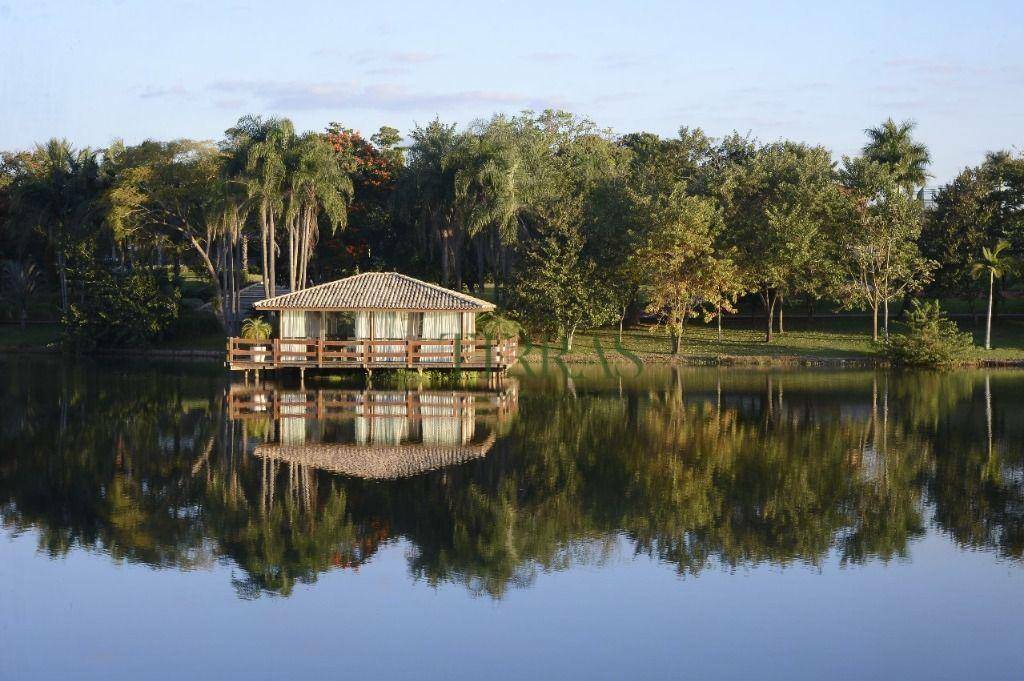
(445, 325)
(442, 325)
(390, 324)
(293, 325)
(362, 325)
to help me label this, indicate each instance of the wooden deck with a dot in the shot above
(253, 402)
(469, 353)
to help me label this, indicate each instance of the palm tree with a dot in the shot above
(21, 282)
(60, 195)
(892, 144)
(317, 181)
(995, 265)
(262, 146)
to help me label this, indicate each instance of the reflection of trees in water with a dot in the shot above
(697, 468)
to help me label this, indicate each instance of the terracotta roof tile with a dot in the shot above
(377, 291)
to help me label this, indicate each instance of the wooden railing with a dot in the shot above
(420, 353)
(255, 402)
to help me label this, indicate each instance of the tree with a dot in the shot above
(427, 192)
(878, 254)
(317, 182)
(57, 192)
(683, 273)
(892, 144)
(557, 289)
(994, 263)
(776, 202)
(931, 338)
(261, 147)
(954, 231)
(175, 189)
(19, 284)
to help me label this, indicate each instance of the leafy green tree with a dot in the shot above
(878, 255)
(118, 310)
(994, 264)
(685, 276)
(175, 189)
(961, 223)
(557, 288)
(776, 204)
(893, 145)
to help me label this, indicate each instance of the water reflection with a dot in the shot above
(700, 468)
(371, 434)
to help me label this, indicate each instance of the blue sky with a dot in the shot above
(817, 72)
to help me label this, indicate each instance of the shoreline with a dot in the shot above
(570, 358)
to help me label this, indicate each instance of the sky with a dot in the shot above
(819, 72)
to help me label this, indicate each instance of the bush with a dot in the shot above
(931, 339)
(496, 326)
(119, 310)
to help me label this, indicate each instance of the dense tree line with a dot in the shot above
(572, 225)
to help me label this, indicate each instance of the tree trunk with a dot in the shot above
(719, 317)
(769, 313)
(622, 320)
(62, 277)
(272, 240)
(885, 316)
(780, 318)
(677, 341)
(988, 321)
(874, 322)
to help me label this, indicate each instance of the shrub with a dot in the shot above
(930, 340)
(119, 309)
(496, 326)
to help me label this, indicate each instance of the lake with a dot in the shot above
(167, 521)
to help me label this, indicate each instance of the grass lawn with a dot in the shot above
(818, 339)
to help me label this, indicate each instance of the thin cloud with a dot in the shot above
(369, 57)
(549, 57)
(301, 95)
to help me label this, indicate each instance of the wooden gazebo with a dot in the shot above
(374, 320)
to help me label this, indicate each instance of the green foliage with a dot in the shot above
(892, 144)
(557, 289)
(119, 310)
(494, 325)
(255, 328)
(930, 340)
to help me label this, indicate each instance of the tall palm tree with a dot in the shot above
(317, 181)
(892, 144)
(995, 264)
(262, 146)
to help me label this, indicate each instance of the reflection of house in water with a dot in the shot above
(374, 434)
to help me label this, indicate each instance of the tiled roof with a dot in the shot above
(376, 462)
(376, 291)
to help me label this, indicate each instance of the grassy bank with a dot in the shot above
(743, 341)
(816, 340)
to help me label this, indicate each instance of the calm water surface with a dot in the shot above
(160, 522)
